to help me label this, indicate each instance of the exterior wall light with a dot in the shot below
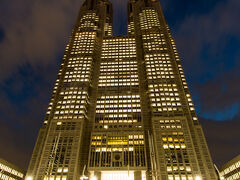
(93, 178)
(198, 178)
(29, 178)
(83, 177)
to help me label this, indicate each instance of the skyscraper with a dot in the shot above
(121, 108)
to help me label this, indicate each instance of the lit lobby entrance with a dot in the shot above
(117, 175)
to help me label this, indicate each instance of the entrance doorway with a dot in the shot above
(117, 175)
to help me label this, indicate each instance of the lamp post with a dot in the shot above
(83, 176)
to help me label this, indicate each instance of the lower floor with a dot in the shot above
(117, 175)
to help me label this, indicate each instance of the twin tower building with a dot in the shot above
(121, 108)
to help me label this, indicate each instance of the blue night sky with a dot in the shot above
(33, 35)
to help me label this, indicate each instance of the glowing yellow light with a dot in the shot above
(198, 178)
(83, 177)
(29, 178)
(93, 178)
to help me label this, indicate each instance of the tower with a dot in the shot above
(121, 108)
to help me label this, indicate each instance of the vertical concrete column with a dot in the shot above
(137, 175)
(98, 175)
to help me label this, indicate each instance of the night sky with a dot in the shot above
(33, 35)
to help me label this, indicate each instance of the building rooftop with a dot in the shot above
(229, 163)
(11, 168)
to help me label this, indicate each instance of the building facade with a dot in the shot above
(231, 170)
(9, 171)
(121, 108)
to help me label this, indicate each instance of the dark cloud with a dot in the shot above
(220, 92)
(207, 42)
(14, 147)
(208, 32)
(2, 34)
(223, 139)
(22, 115)
(34, 32)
